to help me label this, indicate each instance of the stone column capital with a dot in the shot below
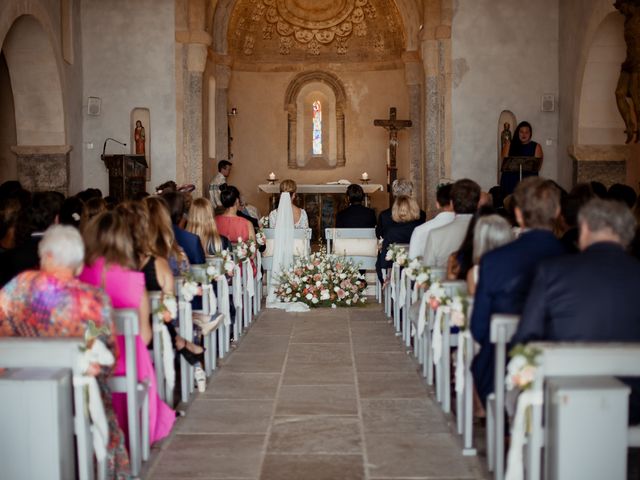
(413, 68)
(196, 57)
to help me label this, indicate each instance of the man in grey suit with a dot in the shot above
(445, 240)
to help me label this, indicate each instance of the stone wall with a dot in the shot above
(505, 56)
(259, 130)
(129, 62)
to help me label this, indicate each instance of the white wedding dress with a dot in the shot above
(283, 254)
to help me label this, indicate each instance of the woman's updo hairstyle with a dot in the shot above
(288, 186)
(228, 195)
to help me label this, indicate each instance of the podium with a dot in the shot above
(127, 175)
(514, 169)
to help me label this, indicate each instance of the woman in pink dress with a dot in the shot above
(110, 265)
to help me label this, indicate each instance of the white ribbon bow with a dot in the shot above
(237, 287)
(436, 339)
(224, 300)
(515, 464)
(422, 315)
(403, 288)
(251, 288)
(213, 301)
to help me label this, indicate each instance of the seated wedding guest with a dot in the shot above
(460, 261)
(26, 311)
(634, 247)
(356, 215)
(400, 187)
(189, 242)
(405, 217)
(10, 211)
(71, 212)
(167, 187)
(599, 189)
(157, 272)
(445, 215)
(162, 241)
(490, 232)
(591, 296)
(622, 193)
(300, 219)
(229, 223)
(202, 224)
(505, 274)
(38, 216)
(444, 240)
(91, 208)
(111, 266)
(569, 207)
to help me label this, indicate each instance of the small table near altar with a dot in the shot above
(321, 202)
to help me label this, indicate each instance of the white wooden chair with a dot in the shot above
(128, 325)
(165, 390)
(577, 360)
(185, 329)
(503, 327)
(34, 352)
(360, 245)
(222, 294)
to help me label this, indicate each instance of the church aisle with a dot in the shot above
(328, 394)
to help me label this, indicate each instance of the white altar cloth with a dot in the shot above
(320, 188)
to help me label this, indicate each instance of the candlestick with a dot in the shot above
(272, 176)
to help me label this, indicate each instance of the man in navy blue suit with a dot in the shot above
(591, 296)
(506, 272)
(356, 215)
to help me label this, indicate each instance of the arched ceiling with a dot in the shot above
(289, 31)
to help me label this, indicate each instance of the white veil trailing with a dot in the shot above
(282, 253)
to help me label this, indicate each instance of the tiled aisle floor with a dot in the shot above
(328, 394)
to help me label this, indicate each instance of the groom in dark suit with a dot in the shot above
(356, 215)
(506, 272)
(591, 296)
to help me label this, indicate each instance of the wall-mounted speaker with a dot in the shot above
(548, 102)
(93, 106)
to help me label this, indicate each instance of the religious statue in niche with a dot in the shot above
(628, 86)
(505, 136)
(139, 138)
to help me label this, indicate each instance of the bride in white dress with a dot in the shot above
(284, 219)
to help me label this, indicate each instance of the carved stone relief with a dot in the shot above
(291, 30)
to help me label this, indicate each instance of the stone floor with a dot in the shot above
(328, 394)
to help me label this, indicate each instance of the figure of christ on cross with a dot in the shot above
(393, 126)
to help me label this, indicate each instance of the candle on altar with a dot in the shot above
(365, 176)
(388, 158)
(272, 176)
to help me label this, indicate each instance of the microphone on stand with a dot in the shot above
(104, 147)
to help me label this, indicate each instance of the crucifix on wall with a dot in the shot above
(393, 126)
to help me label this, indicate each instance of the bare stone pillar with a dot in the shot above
(223, 76)
(414, 75)
(43, 167)
(192, 126)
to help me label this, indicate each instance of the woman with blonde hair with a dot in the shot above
(202, 223)
(405, 216)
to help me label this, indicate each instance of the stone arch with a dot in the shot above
(291, 106)
(26, 37)
(411, 19)
(598, 119)
(600, 10)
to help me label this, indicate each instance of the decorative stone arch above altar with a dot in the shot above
(303, 90)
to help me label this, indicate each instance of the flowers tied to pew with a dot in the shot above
(397, 254)
(95, 353)
(322, 280)
(225, 267)
(245, 250)
(521, 370)
(458, 305)
(419, 273)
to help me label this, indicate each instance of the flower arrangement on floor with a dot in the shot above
(397, 254)
(322, 280)
(521, 370)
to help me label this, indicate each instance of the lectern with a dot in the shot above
(514, 169)
(127, 175)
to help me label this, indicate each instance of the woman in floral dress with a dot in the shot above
(52, 303)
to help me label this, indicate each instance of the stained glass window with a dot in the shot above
(317, 128)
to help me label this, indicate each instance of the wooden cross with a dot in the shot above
(393, 126)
